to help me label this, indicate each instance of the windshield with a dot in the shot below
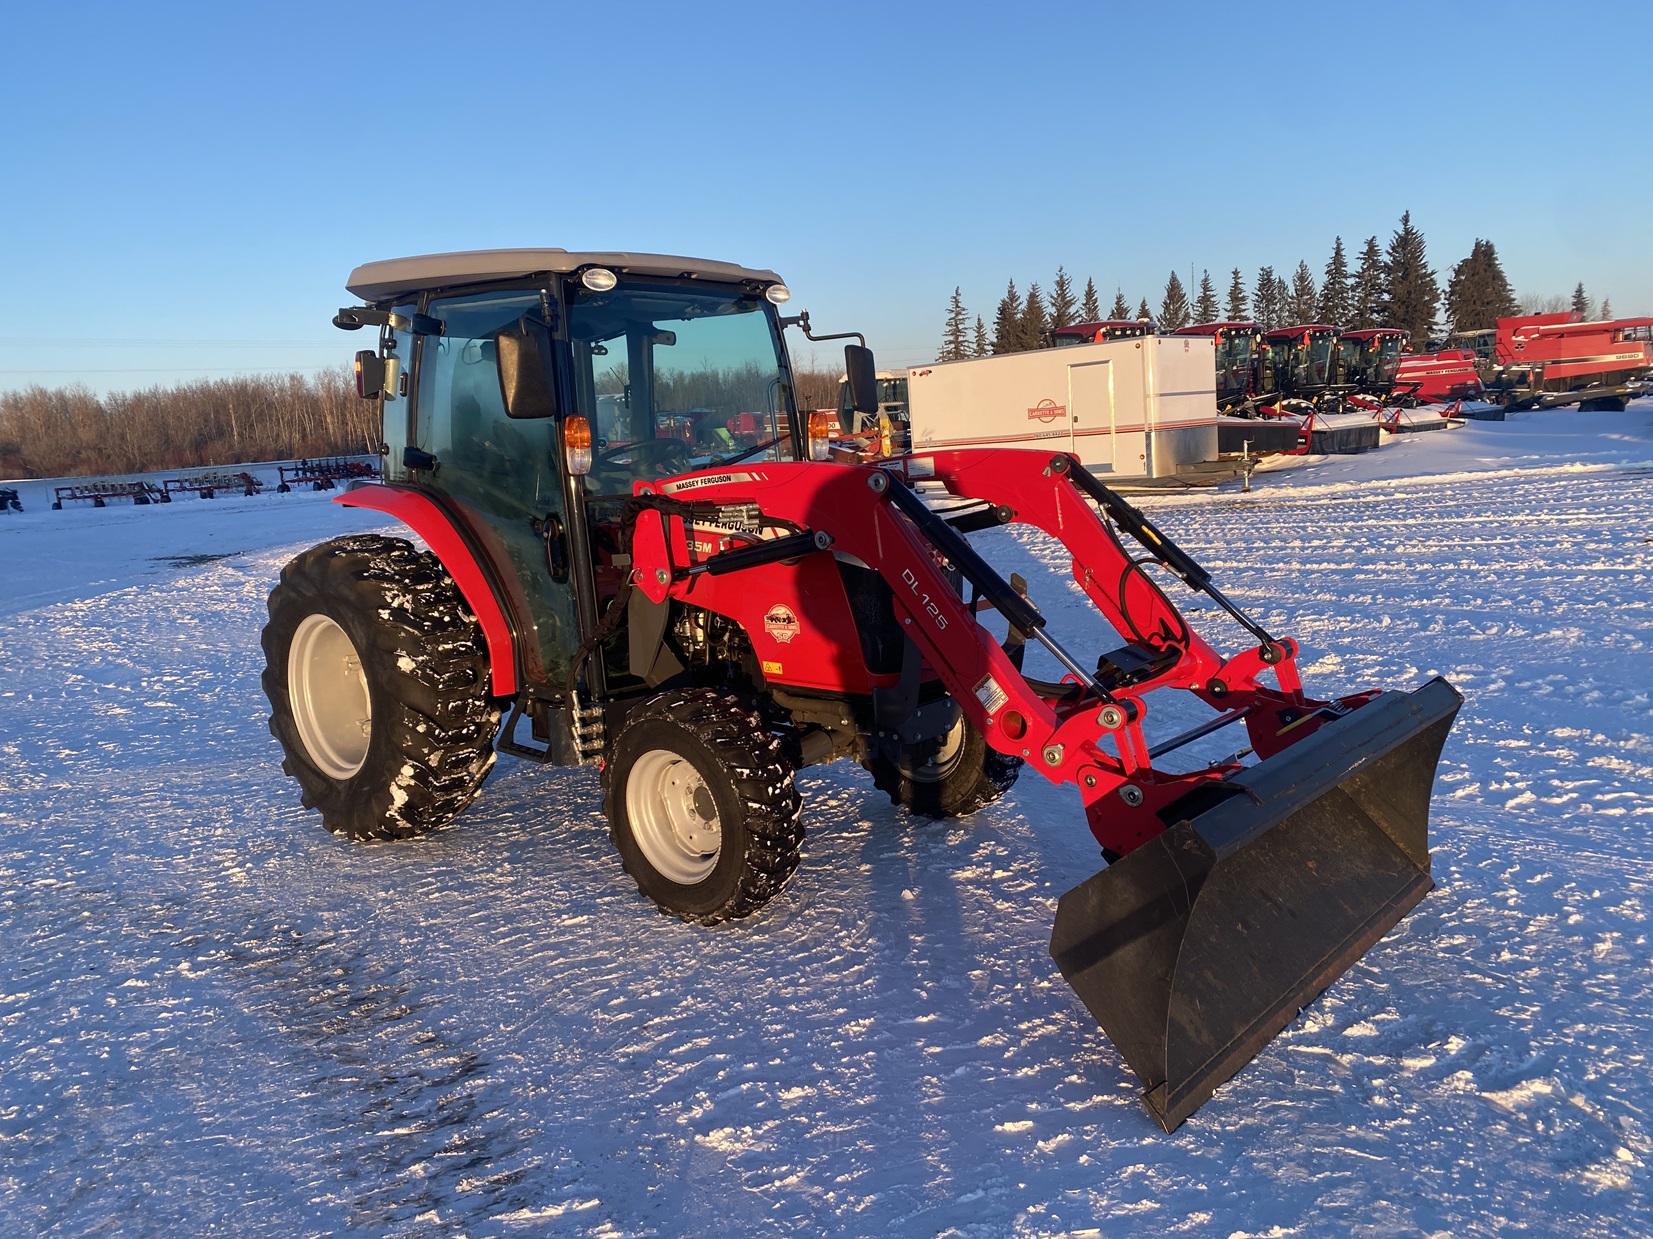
(1233, 364)
(1318, 372)
(675, 379)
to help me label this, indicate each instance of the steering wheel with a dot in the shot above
(649, 458)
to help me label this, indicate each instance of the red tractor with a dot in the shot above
(1369, 361)
(700, 617)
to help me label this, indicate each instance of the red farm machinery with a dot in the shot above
(700, 619)
(1543, 361)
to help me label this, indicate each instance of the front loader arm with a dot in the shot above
(1085, 731)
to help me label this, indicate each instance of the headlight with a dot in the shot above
(778, 294)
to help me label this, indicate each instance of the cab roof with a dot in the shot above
(395, 277)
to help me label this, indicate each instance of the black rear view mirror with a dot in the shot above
(862, 373)
(524, 353)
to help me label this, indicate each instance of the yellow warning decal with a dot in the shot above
(770, 668)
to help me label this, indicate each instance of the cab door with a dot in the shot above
(500, 475)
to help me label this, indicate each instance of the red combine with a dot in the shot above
(1243, 373)
(1543, 361)
(1096, 333)
(1437, 378)
(1370, 360)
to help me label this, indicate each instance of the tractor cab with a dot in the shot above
(1242, 371)
(1305, 359)
(1369, 358)
(1097, 333)
(526, 391)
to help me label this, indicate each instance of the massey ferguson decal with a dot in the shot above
(780, 623)
(1047, 411)
(710, 479)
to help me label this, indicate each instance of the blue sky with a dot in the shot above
(185, 187)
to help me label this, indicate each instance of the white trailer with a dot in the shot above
(1132, 408)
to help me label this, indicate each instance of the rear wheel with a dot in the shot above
(378, 684)
(952, 776)
(701, 806)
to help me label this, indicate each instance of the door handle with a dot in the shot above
(555, 537)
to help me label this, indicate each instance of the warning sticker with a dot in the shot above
(770, 668)
(990, 694)
(780, 623)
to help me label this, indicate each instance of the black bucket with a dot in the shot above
(1197, 948)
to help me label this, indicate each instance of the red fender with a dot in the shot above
(422, 515)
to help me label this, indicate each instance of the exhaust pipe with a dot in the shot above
(1197, 948)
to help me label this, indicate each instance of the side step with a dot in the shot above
(1197, 948)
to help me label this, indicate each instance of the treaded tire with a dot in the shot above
(750, 781)
(972, 779)
(431, 734)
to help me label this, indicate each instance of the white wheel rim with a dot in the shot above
(937, 766)
(673, 817)
(328, 691)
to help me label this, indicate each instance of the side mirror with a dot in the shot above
(862, 373)
(370, 374)
(523, 350)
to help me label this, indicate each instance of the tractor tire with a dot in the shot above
(702, 807)
(950, 778)
(377, 676)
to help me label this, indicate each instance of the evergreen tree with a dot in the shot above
(1606, 310)
(1007, 322)
(1263, 307)
(955, 339)
(1035, 319)
(1369, 297)
(1478, 294)
(1237, 300)
(1205, 308)
(1282, 302)
(1334, 304)
(1414, 296)
(1090, 308)
(980, 347)
(1581, 302)
(1121, 309)
(1173, 308)
(1304, 300)
(1061, 300)
(1143, 313)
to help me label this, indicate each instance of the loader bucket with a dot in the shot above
(1194, 950)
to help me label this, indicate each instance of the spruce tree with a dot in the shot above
(1173, 307)
(1414, 296)
(955, 337)
(1263, 307)
(1035, 319)
(1606, 311)
(1090, 308)
(1304, 298)
(1581, 302)
(1143, 313)
(1061, 300)
(1282, 302)
(1007, 322)
(1478, 293)
(979, 347)
(1369, 297)
(1237, 300)
(1121, 309)
(1205, 308)
(1334, 304)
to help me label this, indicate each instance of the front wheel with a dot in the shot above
(951, 776)
(378, 684)
(701, 807)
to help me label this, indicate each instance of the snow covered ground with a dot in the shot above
(217, 1019)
